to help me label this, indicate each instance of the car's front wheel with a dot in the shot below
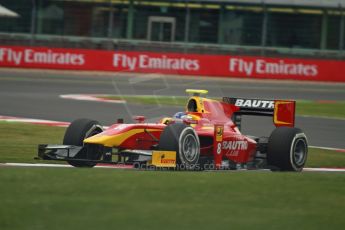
(182, 139)
(75, 135)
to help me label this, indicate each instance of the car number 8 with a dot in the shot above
(219, 148)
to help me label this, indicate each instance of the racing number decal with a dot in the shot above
(219, 148)
(219, 129)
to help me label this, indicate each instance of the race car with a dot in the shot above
(206, 136)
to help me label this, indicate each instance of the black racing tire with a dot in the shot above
(181, 138)
(287, 149)
(75, 134)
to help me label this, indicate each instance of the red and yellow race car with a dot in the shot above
(205, 136)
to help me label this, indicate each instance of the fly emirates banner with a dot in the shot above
(248, 67)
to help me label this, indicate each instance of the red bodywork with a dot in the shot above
(223, 138)
(218, 134)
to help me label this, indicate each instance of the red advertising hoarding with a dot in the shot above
(248, 67)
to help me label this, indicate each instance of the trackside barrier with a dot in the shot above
(247, 67)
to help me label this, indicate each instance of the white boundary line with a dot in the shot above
(327, 148)
(324, 170)
(63, 165)
(322, 117)
(37, 165)
(130, 167)
(34, 121)
(91, 97)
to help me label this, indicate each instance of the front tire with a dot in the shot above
(75, 134)
(287, 149)
(182, 139)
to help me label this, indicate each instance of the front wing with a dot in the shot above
(71, 153)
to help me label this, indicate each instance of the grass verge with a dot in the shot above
(334, 109)
(42, 198)
(19, 141)
(77, 198)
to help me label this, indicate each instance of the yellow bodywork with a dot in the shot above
(200, 103)
(196, 92)
(114, 140)
(219, 132)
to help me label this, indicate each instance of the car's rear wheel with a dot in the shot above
(75, 135)
(287, 149)
(181, 138)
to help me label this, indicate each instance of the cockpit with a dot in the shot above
(192, 106)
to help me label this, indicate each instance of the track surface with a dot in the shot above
(35, 94)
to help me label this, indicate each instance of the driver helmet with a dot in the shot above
(179, 115)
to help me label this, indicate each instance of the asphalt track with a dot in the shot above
(35, 94)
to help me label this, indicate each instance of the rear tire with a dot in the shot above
(287, 149)
(75, 135)
(182, 139)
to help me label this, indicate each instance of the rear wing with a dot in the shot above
(282, 111)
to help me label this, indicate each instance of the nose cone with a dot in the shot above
(100, 139)
(117, 135)
(111, 137)
(114, 136)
